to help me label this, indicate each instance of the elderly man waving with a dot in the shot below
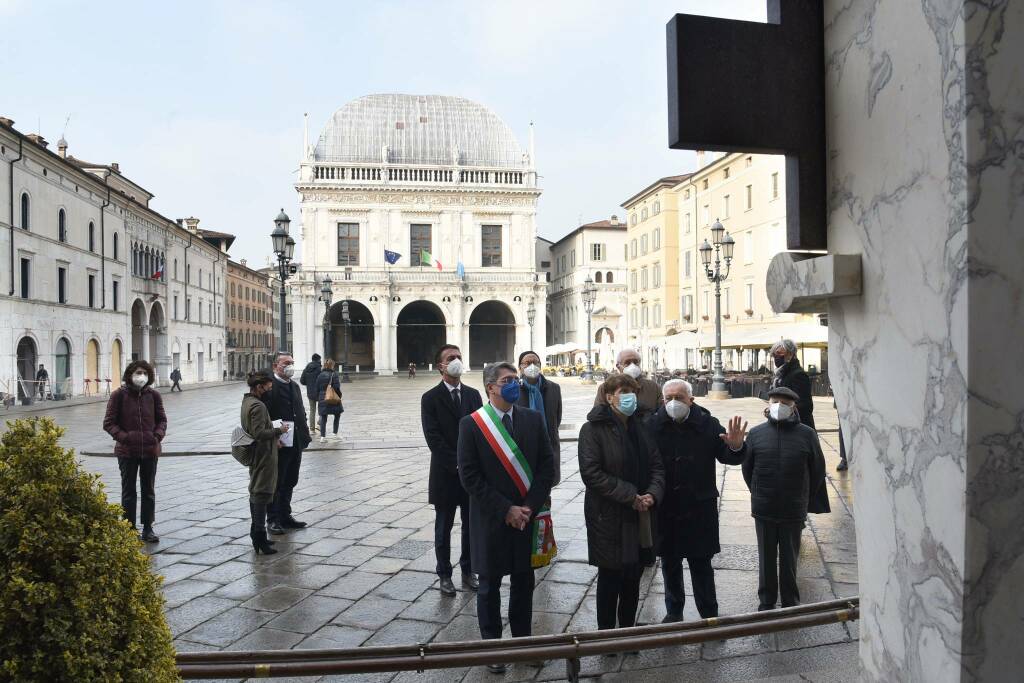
(691, 441)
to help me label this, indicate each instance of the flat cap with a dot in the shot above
(784, 392)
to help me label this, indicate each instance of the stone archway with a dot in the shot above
(492, 333)
(359, 333)
(27, 363)
(421, 331)
(157, 349)
(116, 363)
(140, 331)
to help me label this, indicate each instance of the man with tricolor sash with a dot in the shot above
(507, 466)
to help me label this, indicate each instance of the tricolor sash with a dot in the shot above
(506, 450)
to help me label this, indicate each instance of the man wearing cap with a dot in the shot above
(785, 472)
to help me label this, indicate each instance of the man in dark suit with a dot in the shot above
(286, 402)
(503, 505)
(441, 408)
(544, 396)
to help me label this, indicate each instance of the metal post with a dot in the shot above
(284, 317)
(327, 330)
(344, 365)
(718, 379)
(590, 358)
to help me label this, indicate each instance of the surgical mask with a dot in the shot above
(633, 370)
(140, 380)
(289, 371)
(780, 412)
(510, 391)
(627, 404)
(677, 410)
(780, 361)
(532, 371)
(454, 368)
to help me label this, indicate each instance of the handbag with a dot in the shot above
(241, 446)
(332, 397)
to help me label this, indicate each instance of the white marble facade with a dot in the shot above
(925, 119)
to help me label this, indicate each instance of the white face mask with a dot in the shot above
(140, 380)
(454, 368)
(780, 412)
(532, 371)
(289, 371)
(677, 410)
(633, 370)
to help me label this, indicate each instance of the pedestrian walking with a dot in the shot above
(507, 467)
(625, 479)
(308, 379)
(42, 376)
(784, 470)
(412, 370)
(328, 405)
(790, 374)
(441, 409)
(255, 420)
(541, 394)
(136, 420)
(691, 441)
(285, 403)
(176, 379)
(648, 395)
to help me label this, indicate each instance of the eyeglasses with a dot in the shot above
(507, 380)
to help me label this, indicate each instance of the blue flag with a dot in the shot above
(460, 270)
(391, 256)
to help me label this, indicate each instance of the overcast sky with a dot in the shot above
(201, 102)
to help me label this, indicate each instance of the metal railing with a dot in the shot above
(568, 646)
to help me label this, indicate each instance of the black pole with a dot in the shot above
(284, 318)
(327, 330)
(344, 365)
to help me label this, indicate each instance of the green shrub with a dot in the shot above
(78, 601)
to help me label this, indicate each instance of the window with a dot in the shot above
(657, 239)
(25, 210)
(175, 269)
(643, 214)
(686, 263)
(632, 219)
(608, 278)
(707, 303)
(114, 292)
(632, 317)
(200, 280)
(490, 246)
(775, 185)
(643, 244)
(92, 291)
(657, 315)
(232, 286)
(597, 252)
(750, 298)
(92, 236)
(750, 197)
(688, 307)
(632, 280)
(686, 224)
(725, 173)
(725, 206)
(625, 252)
(62, 227)
(707, 214)
(26, 277)
(175, 309)
(632, 248)
(62, 285)
(686, 194)
(644, 280)
(705, 184)
(598, 276)
(115, 246)
(748, 246)
(348, 244)
(419, 241)
(572, 258)
(656, 209)
(646, 322)
(188, 352)
(656, 277)
(188, 308)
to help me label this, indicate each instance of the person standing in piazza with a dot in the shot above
(541, 394)
(790, 374)
(285, 402)
(507, 467)
(308, 379)
(441, 409)
(648, 396)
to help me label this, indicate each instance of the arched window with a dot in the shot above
(62, 226)
(608, 278)
(175, 269)
(25, 207)
(597, 277)
(92, 236)
(115, 246)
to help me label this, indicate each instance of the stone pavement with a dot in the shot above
(362, 572)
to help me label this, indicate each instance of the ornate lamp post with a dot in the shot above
(346, 318)
(325, 296)
(723, 246)
(531, 315)
(284, 248)
(589, 295)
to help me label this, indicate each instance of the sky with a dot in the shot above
(202, 103)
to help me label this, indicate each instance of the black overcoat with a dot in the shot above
(792, 376)
(440, 422)
(498, 549)
(286, 402)
(785, 472)
(552, 394)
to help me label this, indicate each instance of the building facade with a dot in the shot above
(596, 250)
(95, 277)
(440, 186)
(250, 319)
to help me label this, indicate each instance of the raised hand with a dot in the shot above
(735, 435)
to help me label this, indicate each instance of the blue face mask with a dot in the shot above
(510, 391)
(627, 404)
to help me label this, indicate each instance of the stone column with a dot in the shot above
(144, 351)
(384, 353)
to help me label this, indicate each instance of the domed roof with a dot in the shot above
(418, 129)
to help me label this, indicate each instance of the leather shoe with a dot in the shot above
(672, 619)
(447, 587)
(292, 523)
(842, 466)
(496, 668)
(470, 581)
(148, 536)
(275, 528)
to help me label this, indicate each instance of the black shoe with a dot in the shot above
(275, 528)
(260, 543)
(292, 523)
(672, 619)
(148, 536)
(496, 668)
(842, 466)
(448, 588)
(470, 581)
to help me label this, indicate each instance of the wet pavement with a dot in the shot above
(362, 572)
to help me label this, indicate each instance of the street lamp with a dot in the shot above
(531, 315)
(346, 318)
(723, 247)
(284, 247)
(589, 297)
(325, 296)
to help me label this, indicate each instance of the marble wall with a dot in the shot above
(925, 119)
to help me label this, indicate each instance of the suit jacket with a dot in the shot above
(294, 410)
(552, 394)
(497, 548)
(440, 423)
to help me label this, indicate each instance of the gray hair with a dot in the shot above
(618, 357)
(786, 345)
(281, 354)
(491, 371)
(673, 383)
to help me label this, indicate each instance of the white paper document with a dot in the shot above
(288, 438)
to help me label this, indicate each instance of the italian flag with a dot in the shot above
(427, 259)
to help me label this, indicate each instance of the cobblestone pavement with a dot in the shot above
(362, 572)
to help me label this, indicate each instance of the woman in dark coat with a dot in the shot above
(328, 377)
(255, 420)
(625, 479)
(136, 420)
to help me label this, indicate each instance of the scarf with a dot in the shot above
(536, 397)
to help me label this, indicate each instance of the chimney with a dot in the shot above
(243, 262)
(614, 220)
(115, 166)
(192, 224)
(6, 122)
(62, 148)
(38, 139)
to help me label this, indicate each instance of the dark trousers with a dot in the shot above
(702, 575)
(323, 424)
(288, 462)
(778, 546)
(312, 417)
(520, 605)
(444, 520)
(176, 385)
(618, 594)
(145, 471)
